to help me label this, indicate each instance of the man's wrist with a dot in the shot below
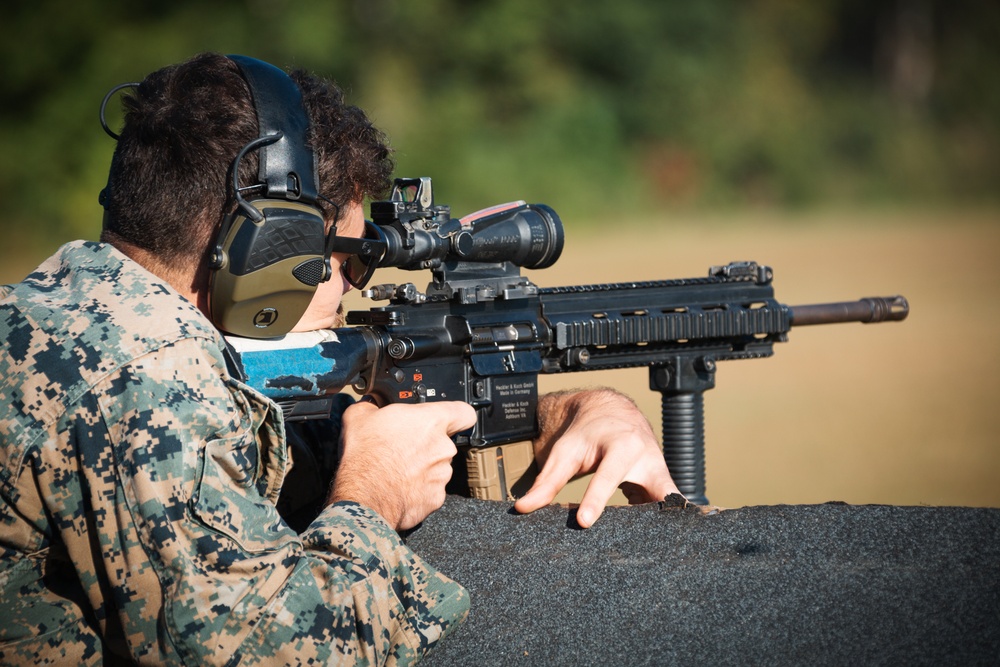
(363, 494)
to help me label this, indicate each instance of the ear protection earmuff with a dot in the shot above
(272, 252)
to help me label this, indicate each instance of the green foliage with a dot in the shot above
(588, 106)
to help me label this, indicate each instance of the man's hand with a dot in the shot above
(596, 431)
(397, 459)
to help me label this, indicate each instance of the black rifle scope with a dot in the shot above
(419, 235)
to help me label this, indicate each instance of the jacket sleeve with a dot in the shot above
(199, 564)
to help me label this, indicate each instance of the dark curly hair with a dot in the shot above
(170, 180)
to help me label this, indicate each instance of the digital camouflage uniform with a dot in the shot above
(138, 484)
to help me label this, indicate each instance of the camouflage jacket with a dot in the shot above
(137, 497)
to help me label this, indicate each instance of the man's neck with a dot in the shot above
(190, 282)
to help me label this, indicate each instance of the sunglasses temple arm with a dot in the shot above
(331, 238)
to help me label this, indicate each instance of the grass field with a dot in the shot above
(898, 413)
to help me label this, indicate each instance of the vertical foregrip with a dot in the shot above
(684, 443)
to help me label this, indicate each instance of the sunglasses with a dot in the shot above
(364, 254)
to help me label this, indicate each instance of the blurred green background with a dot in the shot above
(752, 120)
(593, 107)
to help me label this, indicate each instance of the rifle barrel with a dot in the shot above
(868, 310)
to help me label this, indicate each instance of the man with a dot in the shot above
(139, 478)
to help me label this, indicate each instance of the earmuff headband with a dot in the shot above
(286, 169)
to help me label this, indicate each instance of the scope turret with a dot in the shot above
(421, 235)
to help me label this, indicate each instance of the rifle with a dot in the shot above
(482, 333)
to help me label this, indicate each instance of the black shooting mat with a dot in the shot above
(830, 584)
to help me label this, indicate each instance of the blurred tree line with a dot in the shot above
(592, 107)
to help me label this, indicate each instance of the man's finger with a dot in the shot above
(454, 416)
(636, 494)
(359, 409)
(460, 416)
(539, 495)
(556, 472)
(602, 486)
